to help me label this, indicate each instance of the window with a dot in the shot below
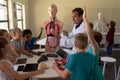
(4, 21)
(19, 15)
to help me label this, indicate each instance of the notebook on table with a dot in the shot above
(20, 68)
(30, 67)
(21, 61)
(62, 53)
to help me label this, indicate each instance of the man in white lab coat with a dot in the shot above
(79, 27)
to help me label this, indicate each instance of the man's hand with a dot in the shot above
(65, 33)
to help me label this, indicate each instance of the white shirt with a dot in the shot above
(3, 75)
(66, 41)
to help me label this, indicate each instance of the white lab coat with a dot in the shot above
(66, 41)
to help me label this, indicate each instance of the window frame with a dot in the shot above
(2, 21)
(21, 14)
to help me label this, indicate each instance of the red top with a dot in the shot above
(51, 31)
(110, 36)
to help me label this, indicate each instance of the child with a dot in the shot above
(19, 42)
(4, 33)
(12, 54)
(98, 38)
(6, 69)
(80, 64)
(97, 73)
(110, 36)
(29, 44)
(95, 38)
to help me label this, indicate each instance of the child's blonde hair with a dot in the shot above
(81, 40)
(13, 31)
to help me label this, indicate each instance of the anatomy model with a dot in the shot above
(99, 24)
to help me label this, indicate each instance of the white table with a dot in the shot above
(41, 41)
(49, 73)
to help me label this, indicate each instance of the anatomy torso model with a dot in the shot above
(53, 28)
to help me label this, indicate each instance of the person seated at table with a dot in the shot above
(12, 54)
(6, 68)
(19, 42)
(30, 41)
(4, 33)
(53, 28)
(81, 65)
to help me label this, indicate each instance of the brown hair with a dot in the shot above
(112, 24)
(97, 36)
(2, 31)
(81, 40)
(79, 11)
(3, 42)
(91, 25)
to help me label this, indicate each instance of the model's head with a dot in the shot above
(99, 15)
(77, 14)
(52, 10)
(80, 41)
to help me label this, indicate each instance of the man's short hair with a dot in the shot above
(79, 10)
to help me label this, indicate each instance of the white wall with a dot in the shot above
(38, 11)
